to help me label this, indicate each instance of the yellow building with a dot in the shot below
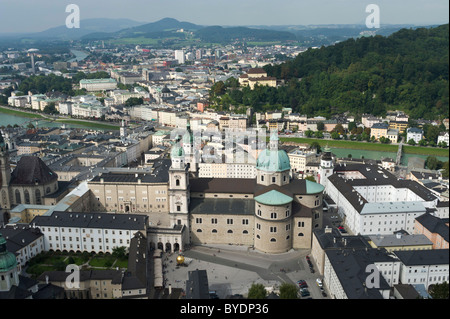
(257, 76)
(401, 126)
(401, 242)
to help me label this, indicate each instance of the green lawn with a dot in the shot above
(20, 113)
(102, 261)
(51, 261)
(94, 125)
(407, 149)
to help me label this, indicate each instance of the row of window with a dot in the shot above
(274, 215)
(230, 221)
(245, 232)
(274, 179)
(91, 231)
(92, 239)
(71, 247)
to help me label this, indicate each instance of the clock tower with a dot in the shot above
(179, 189)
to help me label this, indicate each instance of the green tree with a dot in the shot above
(310, 178)
(411, 142)
(119, 252)
(50, 108)
(445, 171)
(218, 88)
(431, 162)
(335, 136)
(288, 291)
(60, 265)
(315, 145)
(439, 291)
(257, 291)
(320, 126)
(134, 101)
(318, 134)
(423, 142)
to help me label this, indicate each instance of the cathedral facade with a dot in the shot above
(272, 213)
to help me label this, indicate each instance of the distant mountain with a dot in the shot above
(87, 26)
(219, 34)
(166, 24)
(163, 28)
(167, 28)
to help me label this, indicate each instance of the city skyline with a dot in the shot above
(45, 14)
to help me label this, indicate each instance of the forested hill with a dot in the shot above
(407, 70)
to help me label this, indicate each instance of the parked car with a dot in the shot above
(311, 269)
(324, 293)
(302, 284)
(319, 282)
(304, 292)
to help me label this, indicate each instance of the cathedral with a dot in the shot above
(28, 183)
(272, 213)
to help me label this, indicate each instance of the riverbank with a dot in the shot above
(84, 123)
(366, 146)
(94, 125)
(31, 115)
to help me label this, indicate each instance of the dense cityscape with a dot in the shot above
(180, 168)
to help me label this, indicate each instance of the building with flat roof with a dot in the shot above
(424, 267)
(434, 228)
(372, 201)
(401, 241)
(91, 232)
(345, 273)
(92, 85)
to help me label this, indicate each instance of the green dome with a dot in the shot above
(313, 188)
(7, 260)
(273, 161)
(177, 151)
(273, 198)
(188, 138)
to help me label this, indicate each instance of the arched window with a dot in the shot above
(214, 231)
(199, 230)
(27, 197)
(18, 197)
(273, 240)
(245, 232)
(4, 198)
(300, 234)
(47, 191)
(177, 182)
(229, 231)
(38, 196)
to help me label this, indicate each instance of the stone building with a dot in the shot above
(29, 183)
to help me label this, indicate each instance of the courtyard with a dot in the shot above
(233, 269)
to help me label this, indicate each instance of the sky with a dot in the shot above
(38, 15)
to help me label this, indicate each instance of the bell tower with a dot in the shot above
(5, 177)
(179, 195)
(326, 166)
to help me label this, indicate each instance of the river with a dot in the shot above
(79, 55)
(6, 119)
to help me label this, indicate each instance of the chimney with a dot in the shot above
(46, 279)
(398, 235)
(170, 289)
